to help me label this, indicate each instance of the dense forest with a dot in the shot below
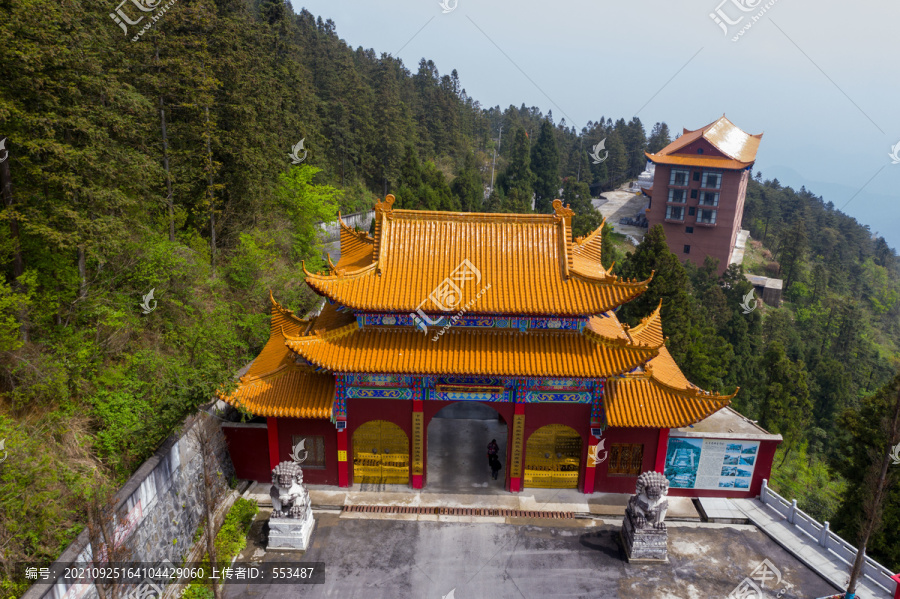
(162, 165)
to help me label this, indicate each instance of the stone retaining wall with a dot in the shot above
(158, 510)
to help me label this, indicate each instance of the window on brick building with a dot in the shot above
(674, 213)
(689, 229)
(679, 177)
(707, 216)
(687, 249)
(678, 195)
(711, 180)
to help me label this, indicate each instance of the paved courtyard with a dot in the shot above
(391, 558)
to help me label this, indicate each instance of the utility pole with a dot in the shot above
(494, 161)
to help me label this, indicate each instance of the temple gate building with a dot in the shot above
(505, 310)
(699, 188)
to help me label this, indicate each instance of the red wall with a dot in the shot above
(576, 416)
(762, 470)
(361, 411)
(303, 426)
(716, 241)
(248, 447)
(649, 437)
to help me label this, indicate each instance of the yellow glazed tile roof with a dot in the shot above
(356, 248)
(529, 262)
(701, 161)
(274, 354)
(738, 146)
(291, 392)
(660, 396)
(637, 401)
(275, 385)
(649, 331)
(471, 351)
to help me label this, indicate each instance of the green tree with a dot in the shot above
(467, 186)
(545, 165)
(659, 138)
(306, 204)
(786, 407)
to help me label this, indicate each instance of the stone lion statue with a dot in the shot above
(648, 506)
(289, 497)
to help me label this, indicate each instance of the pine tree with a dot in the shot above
(545, 166)
(659, 138)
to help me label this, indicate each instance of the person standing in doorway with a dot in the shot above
(495, 465)
(492, 450)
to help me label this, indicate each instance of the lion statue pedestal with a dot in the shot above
(291, 523)
(644, 531)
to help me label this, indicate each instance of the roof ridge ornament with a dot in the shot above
(385, 207)
(562, 211)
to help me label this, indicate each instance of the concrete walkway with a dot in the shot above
(806, 549)
(740, 244)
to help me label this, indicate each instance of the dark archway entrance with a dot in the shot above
(458, 436)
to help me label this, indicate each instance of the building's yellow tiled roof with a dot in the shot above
(738, 147)
(275, 385)
(274, 354)
(586, 252)
(701, 161)
(291, 392)
(356, 248)
(530, 262)
(650, 330)
(642, 401)
(659, 396)
(331, 318)
(477, 352)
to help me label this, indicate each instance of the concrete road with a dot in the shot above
(395, 559)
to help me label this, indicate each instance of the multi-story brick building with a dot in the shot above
(699, 189)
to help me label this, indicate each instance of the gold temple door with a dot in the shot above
(553, 458)
(380, 454)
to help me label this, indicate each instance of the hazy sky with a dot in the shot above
(821, 80)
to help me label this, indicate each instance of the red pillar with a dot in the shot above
(343, 464)
(418, 444)
(272, 427)
(661, 450)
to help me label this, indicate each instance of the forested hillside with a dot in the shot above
(162, 165)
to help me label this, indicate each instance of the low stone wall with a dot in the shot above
(158, 510)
